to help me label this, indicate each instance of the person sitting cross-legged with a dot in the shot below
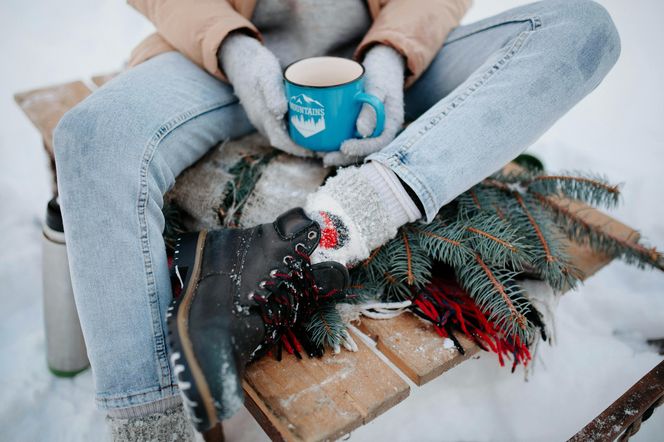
(477, 95)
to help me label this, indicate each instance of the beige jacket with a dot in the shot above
(196, 28)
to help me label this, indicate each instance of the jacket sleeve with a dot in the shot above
(195, 28)
(415, 28)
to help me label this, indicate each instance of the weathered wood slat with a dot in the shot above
(628, 411)
(44, 107)
(321, 399)
(100, 80)
(413, 345)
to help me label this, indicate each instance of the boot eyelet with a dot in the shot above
(261, 284)
(312, 234)
(302, 246)
(251, 295)
(273, 273)
(287, 259)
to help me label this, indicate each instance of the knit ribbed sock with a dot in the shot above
(359, 209)
(170, 425)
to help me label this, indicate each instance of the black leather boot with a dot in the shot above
(242, 290)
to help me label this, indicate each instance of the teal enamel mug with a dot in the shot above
(325, 96)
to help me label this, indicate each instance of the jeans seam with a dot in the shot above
(535, 22)
(142, 202)
(396, 157)
(123, 400)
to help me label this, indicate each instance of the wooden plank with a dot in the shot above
(413, 345)
(44, 107)
(628, 411)
(100, 80)
(321, 399)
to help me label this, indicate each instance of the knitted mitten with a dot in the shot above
(384, 78)
(257, 81)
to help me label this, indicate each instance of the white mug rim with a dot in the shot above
(326, 86)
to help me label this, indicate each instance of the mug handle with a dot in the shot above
(378, 107)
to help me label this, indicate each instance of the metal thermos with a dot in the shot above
(65, 348)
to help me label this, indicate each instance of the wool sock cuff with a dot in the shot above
(172, 424)
(398, 204)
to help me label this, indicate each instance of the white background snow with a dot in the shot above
(617, 130)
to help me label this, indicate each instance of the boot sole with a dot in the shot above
(194, 389)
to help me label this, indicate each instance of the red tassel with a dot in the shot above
(443, 302)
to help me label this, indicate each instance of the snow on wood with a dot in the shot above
(321, 399)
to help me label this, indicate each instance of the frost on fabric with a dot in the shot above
(285, 183)
(200, 189)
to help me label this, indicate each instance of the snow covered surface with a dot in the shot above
(600, 352)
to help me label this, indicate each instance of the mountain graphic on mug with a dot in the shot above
(307, 115)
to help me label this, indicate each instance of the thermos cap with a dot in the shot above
(54, 216)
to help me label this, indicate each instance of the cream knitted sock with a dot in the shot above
(358, 209)
(169, 425)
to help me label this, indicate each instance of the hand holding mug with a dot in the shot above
(384, 78)
(257, 81)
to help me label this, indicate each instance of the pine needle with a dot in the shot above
(536, 227)
(516, 315)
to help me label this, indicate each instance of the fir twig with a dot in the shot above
(325, 326)
(497, 296)
(516, 315)
(409, 259)
(582, 232)
(536, 227)
(594, 190)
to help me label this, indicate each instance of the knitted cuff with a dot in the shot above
(399, 205)
(169, 425)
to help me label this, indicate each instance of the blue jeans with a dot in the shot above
(491, 91)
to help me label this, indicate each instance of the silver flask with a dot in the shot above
(65, 349)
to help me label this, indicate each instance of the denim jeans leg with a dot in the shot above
(494, 88)
(117, 153)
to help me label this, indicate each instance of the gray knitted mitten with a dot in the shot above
(172, 425)
(257, 81)
(384, 78)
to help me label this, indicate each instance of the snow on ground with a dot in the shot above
(601, 329)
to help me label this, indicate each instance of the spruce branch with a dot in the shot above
(508, 309)
(550, 260)
(519, 318)
(410, 276)
(246, 174)
(582, 232)
(548, 256)
(325, 326)
(497, 241)
(409, 265)
(443, 242)
(478, 199)
(591, 189)
(173, 224)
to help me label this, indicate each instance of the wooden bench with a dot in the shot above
(324, 399)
